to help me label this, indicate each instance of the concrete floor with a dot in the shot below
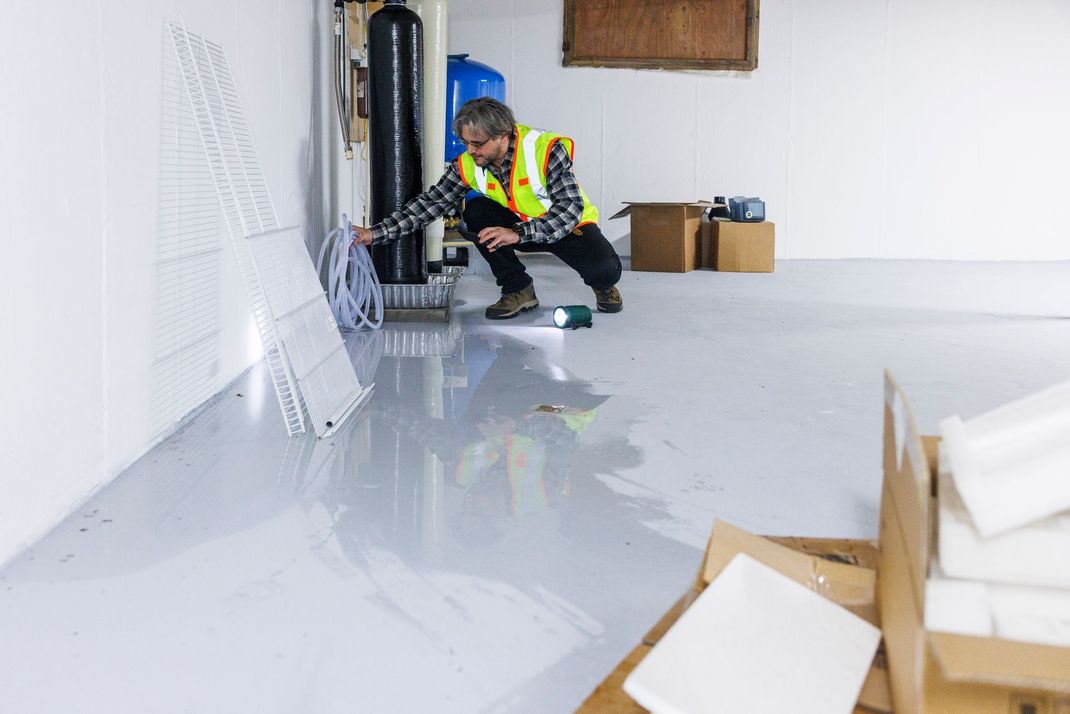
(517, 504)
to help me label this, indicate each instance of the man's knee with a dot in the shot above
(605, 266)
(599, 266)
(606, 271)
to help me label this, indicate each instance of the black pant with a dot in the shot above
(588, 253)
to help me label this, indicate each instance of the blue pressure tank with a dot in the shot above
(465, 80)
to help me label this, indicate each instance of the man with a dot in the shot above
(530, 202)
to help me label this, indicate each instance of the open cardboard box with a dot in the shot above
(917, 670)
(937, 671)
(841, 570)
(666, 237)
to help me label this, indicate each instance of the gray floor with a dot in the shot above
(517, 504)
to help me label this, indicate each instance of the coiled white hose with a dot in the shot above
(351, 303)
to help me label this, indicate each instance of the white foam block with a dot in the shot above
(756, 641)
(1035, 554)
(1011, 464)
(958, 606)
(1010, 612)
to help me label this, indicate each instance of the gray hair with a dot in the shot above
(485, 115)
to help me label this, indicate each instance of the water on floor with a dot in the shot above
(517, 504)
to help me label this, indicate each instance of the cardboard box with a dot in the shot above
(666, 237)
(937, 671)
(841, 570)
(738, 247)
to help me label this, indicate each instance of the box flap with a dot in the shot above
(900, 615)
(908, 481)
(876, 694)
(987, 660)
(848, 585)
(628, 206)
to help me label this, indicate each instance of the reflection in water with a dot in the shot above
(455, 521)
(470, 448)
(450, 492)
(459, 450)
(500, 435)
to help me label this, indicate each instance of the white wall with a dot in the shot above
(80, 210)
(892, 129)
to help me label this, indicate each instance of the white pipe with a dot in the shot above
(433, 13)
(360, 171)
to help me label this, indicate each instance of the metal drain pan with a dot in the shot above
(437, 293)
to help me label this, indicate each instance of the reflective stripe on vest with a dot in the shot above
(481, 180)
(531, 158)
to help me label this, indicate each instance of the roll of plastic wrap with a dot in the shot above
(433, 13)
(395, 119)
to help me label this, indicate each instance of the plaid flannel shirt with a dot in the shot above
(561, 219)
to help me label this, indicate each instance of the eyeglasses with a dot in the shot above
(475, 144)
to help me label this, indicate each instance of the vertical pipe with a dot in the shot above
(434, 14)
(341, 74)
(395, 125)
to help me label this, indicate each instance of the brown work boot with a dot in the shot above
(608, 299)
(512, 304)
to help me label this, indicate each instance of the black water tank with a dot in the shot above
(395, 118)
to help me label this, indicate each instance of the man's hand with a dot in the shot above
(364, 236)
(496, 236)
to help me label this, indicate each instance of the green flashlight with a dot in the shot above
(574, 316)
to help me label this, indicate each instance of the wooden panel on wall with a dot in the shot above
(358, 130)
(668, 34)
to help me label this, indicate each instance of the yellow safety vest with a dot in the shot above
(528, 196)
